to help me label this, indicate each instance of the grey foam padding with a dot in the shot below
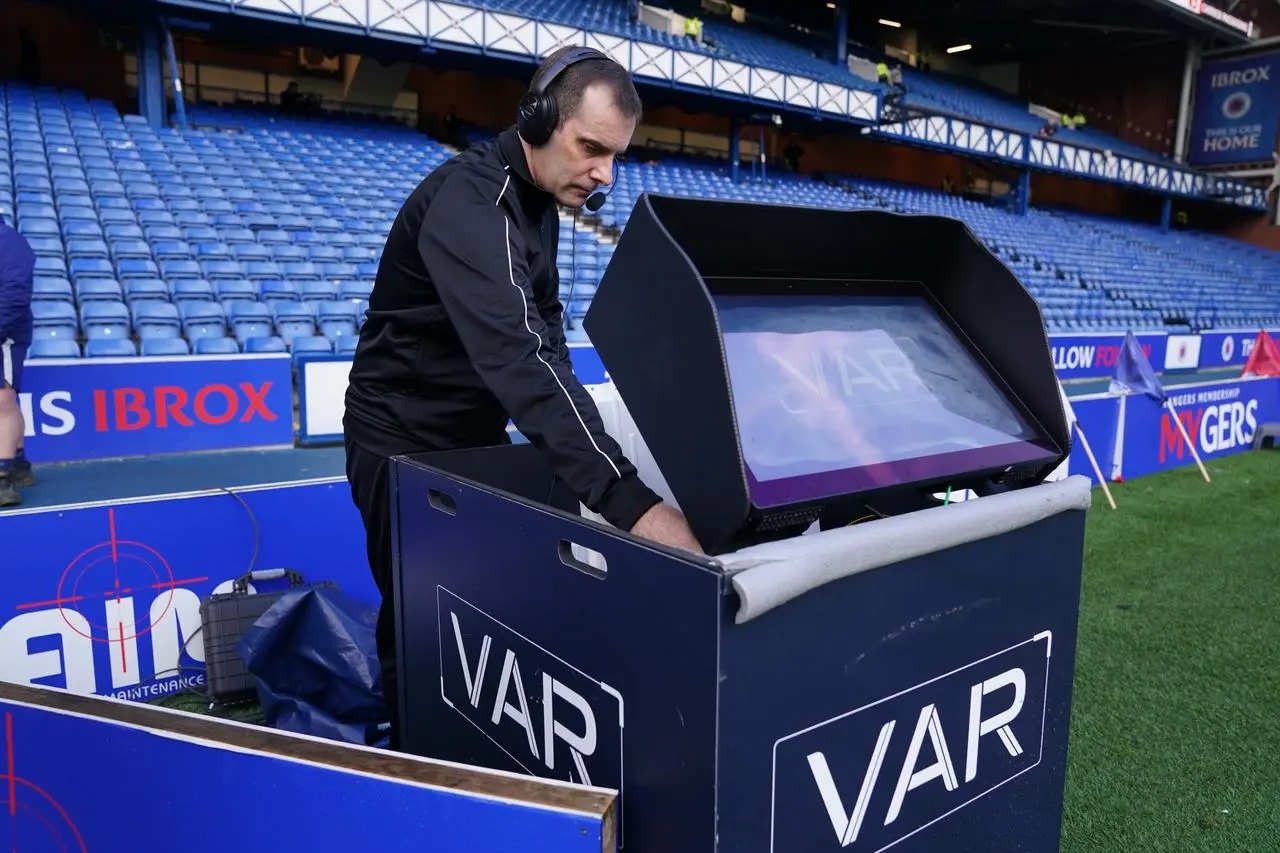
(769, 575)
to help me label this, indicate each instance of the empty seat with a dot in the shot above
(165, 346)
(104, 320)
(51, 289)
(54, 348)
(264, 344)
(293, 319)
(145, 290)
(203, 320)
(109, 348)
(249, 320)
(156, 320)
(215, 346)
(54, 320)
(310, 345)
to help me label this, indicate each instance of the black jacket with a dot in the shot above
(465, 329)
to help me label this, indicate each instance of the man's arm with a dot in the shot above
(553, 312)
(476, 258)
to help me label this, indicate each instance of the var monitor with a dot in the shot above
(855, 387)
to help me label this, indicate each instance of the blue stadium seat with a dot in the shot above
(203, 319)
(154, 320)
(165, 347)
(310, 345)
(215, 346)
(337, 319)
(264, 344)
(169, 234)
(233, 290)
(249, 320)
(293, 320)
(52, 289)
(98, 290)
(109, 348)
(191, 289)
(54, 320)
(109, 320)
(54, 348)
(145, 290)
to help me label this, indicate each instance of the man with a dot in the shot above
(17, 270)
(464, 327)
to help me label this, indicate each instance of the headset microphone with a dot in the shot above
(596, 200)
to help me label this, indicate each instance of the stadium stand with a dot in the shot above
(925, 90)
(257, 232)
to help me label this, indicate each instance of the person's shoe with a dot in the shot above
(24, 476)
(9, 495)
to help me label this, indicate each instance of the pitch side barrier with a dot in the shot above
(82, 409)
(1133, 436)
(86, 773)
(322, 380)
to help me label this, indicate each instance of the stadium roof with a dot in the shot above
(1005, 30)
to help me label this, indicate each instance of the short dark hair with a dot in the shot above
(569, 86)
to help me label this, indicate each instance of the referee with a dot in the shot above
(465, 328)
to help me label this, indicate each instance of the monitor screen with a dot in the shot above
(840, 394)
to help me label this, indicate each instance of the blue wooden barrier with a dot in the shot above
(86, 773)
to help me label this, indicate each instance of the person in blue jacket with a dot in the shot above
(17, 270)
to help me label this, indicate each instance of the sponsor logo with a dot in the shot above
(1078, 356)
(159, 407)
(118, 623)
(1213, 428)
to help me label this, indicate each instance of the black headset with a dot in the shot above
(539, 115)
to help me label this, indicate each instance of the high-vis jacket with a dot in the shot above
(465, 328)
(17, 269)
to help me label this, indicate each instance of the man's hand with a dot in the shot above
(666, 525)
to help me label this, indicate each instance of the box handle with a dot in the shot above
(583, 559)
(441, 501)
(241, 584)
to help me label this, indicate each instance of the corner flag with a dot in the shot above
(1265, 358)
(1134, 372)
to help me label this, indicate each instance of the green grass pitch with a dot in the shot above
(1175, 734)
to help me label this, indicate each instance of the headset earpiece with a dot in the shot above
(529, 121)
(538, 114)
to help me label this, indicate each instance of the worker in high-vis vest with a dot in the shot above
(882, 72)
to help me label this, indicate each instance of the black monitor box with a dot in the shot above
(789, 365)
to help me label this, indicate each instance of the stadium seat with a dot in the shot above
(264, 344)
(276, 231)
(105, 320)
(293, 320)
(310, 345)
(201, 320)
(165, 347)
(54, 348)
(249, 320)
(215, 346)
(109, 348)
(156, 320)
(54, 320)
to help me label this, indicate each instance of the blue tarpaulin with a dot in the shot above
(316, 662)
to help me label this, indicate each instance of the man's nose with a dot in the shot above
(602, 172)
